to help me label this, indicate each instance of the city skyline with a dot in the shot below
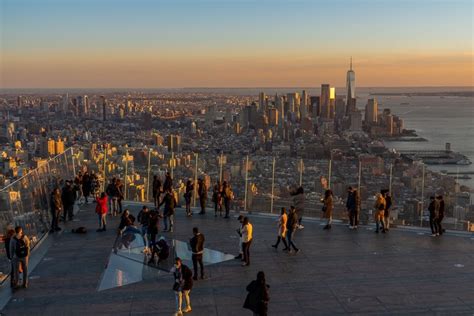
(163, 44)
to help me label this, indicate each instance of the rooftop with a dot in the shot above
(337, 272)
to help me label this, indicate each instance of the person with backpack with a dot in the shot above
(258, 297)
(183, 283)
(101, 209)
(56, 209)
(168, 213)
(19, 254)
(228, 196)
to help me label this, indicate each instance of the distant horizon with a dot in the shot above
(232, 43)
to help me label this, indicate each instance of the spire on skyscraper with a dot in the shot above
(351, 63)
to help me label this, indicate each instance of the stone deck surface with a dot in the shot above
(337, 272)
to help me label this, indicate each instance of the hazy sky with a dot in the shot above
(232, 43)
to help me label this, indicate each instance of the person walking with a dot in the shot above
(388, 205)
(202, 193)
(239, 232)
(217, 199)
(247, 237)
(68, 198)
(20, 253)
(353, 207)
(153, 226)
(170, 203)
(197, 248)
(183, 284)
(291, 226)
(101, 209)
(328, 207)
(258, 296)
(282, 230)
(298, 202)
(379, 209)
(432, 211)
(56, 209)
(228, 196)
(156, 190)
(187, 197)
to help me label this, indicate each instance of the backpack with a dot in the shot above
(21, 250)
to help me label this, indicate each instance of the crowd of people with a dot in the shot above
(157, 249)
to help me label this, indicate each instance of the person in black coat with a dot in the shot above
(183, 283)
(202, 193)
(68, 197)
(258, 297)
(156, 190)
(86, 186)
(197, 248)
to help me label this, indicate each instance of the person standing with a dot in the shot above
(217, 199)
(228, 196)
(388, 205)
(183, 283)
(101, 209)
(298, 202)
(20, 252)
(111, 194)
(328, 207)
(258, 297)
(153, 226)
(187, 197)
(156, 190)
(352, 205)
(439, 215)
(202, 193)
(86, 186)
(379, 209)
(68, 198)
(9, 236)
(56, 209)
(292, 226)
(239, 232)
(282, 230)
(432, 211)
(143, 218)
(170, 203)
(197, 248)
(247, 237)
(120, 195)
(168, 182)
(78, 186)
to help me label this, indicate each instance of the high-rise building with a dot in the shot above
(103, 102)
(174, 143)
(350, 88)
(356, 121)
(324, 101)
(262, 100)
(51, 147)
(371, 112)
(314, 106)
(332, 102)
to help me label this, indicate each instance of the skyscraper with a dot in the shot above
(350, 87)
(324, 101)
(104, 108)
(261, 101)
(371, 112)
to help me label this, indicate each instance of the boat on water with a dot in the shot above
(405, 103)
(464, 162)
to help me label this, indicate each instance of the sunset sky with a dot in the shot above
(234, 43)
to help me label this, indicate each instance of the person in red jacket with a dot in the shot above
(101, 209)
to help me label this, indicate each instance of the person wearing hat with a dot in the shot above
(239, 232)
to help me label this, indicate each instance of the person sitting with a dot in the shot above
(162, 249)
